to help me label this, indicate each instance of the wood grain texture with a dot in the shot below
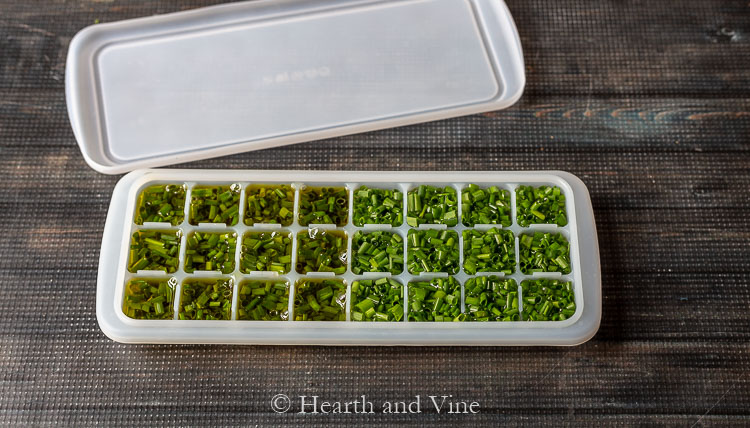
(647, 102)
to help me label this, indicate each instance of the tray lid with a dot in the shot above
(245, 76)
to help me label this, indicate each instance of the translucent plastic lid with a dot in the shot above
(245, 76)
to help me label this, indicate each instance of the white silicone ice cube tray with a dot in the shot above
(113, 266)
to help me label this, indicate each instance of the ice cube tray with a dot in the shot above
(554, 301)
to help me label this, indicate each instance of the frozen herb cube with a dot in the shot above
(436, 300)
(321, 251)
(377, 251)
(263, 301)
(547, 300)
(378, 206)
(320, 300)
(489, 205)
(324, 205)
(540, 205)
(377, 300)
(266, 251)
(269, 204)
(206, 300)
(154, 250)
(210, 251)
(544, 252)
(491, 298)
(432, 205)
(215, 204)
(149, 299)
(432, 251)
(161, 203)
(492, 250)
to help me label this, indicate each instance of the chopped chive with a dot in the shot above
(432, 251)
(377, 300)
(489, 251)
(544, 252)
(377, 252)
(149, 299)
(269, 204)
(215, 204)
(154, 250)
(378, 206)
(266, 251)
(436, 300)
(161, 203)
(324, 205)
(206, 300)
(432, 205)
(490, 298)
(321, 251)
(263, 301)
(540, 205)
(210, 251)
(485, 206)
(547, 300)
(312, 305)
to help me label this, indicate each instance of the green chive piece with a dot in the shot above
(309, 307)
(215, 204)
(544, 252)
(489, 205)
(324, 205)
(154, 250)
(266, 251)
(547, 300)
(377, 251)
(432, 205)
(377, 300)
(432, 251)
(491, 298)
(321, 251)
(206, 300)
(540, 205)
(269, 203)
(210, 251)
(489, 251)
(149, 299)
(161, 203)
(378, 206)
(436, 300)
(263, 301)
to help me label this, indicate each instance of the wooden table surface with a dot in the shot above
(647, 102)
